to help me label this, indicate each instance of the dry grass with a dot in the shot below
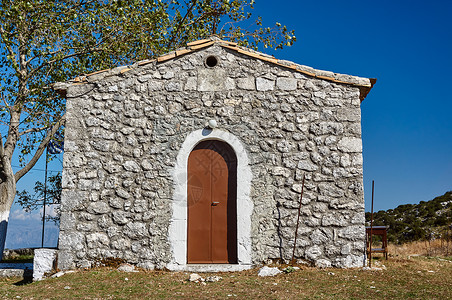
(439, 247)
(415, 278)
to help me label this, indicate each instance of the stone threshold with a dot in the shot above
(208, 268)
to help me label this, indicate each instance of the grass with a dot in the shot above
(415, 278)
(438, 247)
(19, 259)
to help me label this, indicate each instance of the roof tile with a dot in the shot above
(166, 57)
(198, 42)
(365, 84)
(202, 45)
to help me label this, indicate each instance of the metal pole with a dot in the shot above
(371, 226)
(298, 222)
(45, 198)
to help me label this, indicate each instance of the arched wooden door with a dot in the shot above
(212, 209)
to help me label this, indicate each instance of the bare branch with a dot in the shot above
(40, 149)
(50, 62)
(181, 23)
(4, 101)
(32, 130)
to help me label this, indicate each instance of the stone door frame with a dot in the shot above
(178, 223)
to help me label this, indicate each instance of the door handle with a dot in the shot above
(215, 203)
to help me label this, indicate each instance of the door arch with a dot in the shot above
(212, 203)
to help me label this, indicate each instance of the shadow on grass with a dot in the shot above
(24, 281)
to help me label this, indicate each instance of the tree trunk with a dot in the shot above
(7, 194)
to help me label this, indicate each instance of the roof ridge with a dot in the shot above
(365, 84)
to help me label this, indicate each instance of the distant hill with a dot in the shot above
(412, 222)
(29, 235)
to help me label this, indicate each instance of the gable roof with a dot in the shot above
(364, 84)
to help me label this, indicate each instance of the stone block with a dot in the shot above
(44, 261)
(132, 166)
(173, 87)
(264, 84)
(211, 79)
(323, 263)
(286, 84)
(318, 237)
(65, 259)
(191, 84)
(313, 252)
(307, 165)
(348, 114)
(98, 208)
(135, 230)
(96, 240)
(154, 86)
(247, 83)
(350, 145)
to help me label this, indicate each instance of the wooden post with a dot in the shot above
(371, 225)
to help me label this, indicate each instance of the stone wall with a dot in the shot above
(125, 128)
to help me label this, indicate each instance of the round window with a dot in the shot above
(211, 61)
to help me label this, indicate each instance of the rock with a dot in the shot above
(323, 263)
(132, 166)
(61, 273)
(146, 265)
(195, 278)
(267, 271)
(127, 268)
(213, 278)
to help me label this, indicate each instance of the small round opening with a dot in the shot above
(211, 61)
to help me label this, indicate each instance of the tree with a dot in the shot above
(48, 41)
(50, 191)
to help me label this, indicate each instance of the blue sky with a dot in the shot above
(406, 118)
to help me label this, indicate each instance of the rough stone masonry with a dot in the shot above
(129, 131)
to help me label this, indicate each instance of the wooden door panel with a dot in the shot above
(198, 198)
(211, 194)
(219, 209)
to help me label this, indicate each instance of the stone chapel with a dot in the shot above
(196, 159)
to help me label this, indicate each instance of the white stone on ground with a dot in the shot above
(213, 278)
(61, 273)
(267, 271)
(127, 268)
(195, 277)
